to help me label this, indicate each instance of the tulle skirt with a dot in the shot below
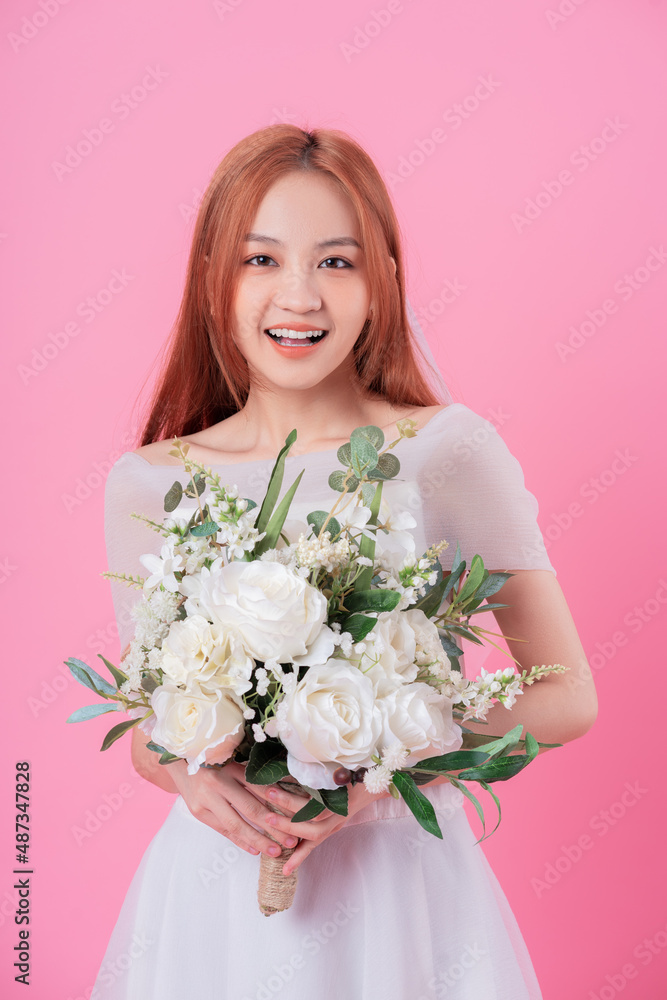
(383, 911)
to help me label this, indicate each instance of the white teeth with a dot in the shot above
(295, 334)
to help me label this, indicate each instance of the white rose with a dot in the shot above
(196, 725)
(278, 614)
(210, 656)
(389, 656)
(330, 719)
(421, 719)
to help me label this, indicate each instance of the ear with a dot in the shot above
(394, 263)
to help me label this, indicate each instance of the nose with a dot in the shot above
(296, 290)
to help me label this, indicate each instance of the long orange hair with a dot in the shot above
(204, 377)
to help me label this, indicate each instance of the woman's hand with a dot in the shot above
(315, 831)
(222, 799)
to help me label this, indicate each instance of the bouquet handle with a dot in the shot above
(276, 890)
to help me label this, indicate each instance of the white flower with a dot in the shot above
(258, 733)
(162, 569)
(354, 517)
(209, 656)
(421, 719)
(377, 779)
(276, 612)
(164, 604)
(389, 656)
(196, 725)
(315, 553)
(330, 719)
(395, 755)
(398, 525)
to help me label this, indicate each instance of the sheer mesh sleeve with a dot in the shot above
(473, 492)
(129, 489)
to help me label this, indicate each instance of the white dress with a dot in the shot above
(383, 910)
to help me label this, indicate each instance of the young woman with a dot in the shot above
(294, 316)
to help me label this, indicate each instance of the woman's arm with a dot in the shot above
(560, 707)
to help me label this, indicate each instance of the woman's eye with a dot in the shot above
(341, 261)
(262, 257)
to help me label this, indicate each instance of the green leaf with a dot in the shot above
(364, 456)
(492, 584)
(358, 626)
(117, 674)
(199, 484)
(500, 769)
(387, 467)
(250, 504)
(317, 519)
(531, 745)
(92, 711)
(90, 678)
(117, 731)
(275, 482)
(309, 811)
(421, 779)
(451, 761)
(167, 758)
(205, 529)
(267, 763)
(458, 567)
(499, 746)
(148, 683)
(432, 599)
(450, 647)
(335, 799)
(367, 545)
(173, 497)
(420, 807)
(337, 481)
(155, 747)
(374, 435)
(344, 455)
(275, 525)
(372, 600)
(474, 580)
(495, 798)
(472, 798)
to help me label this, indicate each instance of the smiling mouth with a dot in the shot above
(295, 338)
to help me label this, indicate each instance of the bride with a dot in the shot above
(294, 316)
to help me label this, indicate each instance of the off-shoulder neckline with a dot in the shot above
(290, 458)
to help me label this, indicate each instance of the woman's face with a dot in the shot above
(303, 272)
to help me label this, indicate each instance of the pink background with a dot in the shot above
(591, 77)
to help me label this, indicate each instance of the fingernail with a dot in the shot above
(290, 841)
(272, 793)
(275, 851)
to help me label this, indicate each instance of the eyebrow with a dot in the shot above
(337, 241)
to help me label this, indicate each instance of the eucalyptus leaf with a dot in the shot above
(337, 481)
(387, 467)
(173, 497)
(205, 529)
(492, 584)
(199, 486)
(92, 711)
(374, 435)
(364, 456)
(420, 807)
(344, 455)
(318, 517)
(90, 678)
(168, 758)
(250, 504)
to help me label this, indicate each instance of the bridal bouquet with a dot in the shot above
(319, 660)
